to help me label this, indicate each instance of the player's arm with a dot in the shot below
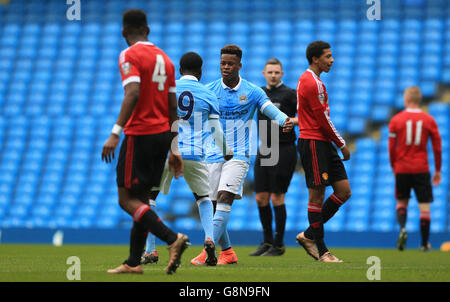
(175, 160)
(325, 123)
(437, 151)
(392, 143)
(132, 92)
(219, 137)
(275, 114)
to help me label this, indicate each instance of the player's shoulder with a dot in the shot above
(214, 84)
(309, 81)
(252, 89)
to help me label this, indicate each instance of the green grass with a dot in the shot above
(30, 263)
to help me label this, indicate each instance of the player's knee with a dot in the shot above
(225, 197)
(262, 200)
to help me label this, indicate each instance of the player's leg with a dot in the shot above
(230, 188)
(424, 193)
(223, 210)
(139, 168)
(403, 185)
(425, 221)
(279, 209)
(332, 204)
(150, 254)
(214, 170)
(279, 184)
(262, 189)
(265, 216)
(316, 197)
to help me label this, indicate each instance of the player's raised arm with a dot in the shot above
(132, 92)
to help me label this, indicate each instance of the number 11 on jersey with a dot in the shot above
(409, 132)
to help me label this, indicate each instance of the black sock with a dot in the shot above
(401, 215)
(329, 208)
(425, 227)
(138, 237)
(315, 222)
(150, 221)
(280, 224)
(265, 215)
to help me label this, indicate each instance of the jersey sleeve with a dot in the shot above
(392, 136)
(129, 70)
(313, 96)
(436, 143)
(213, 106)
(171, 77)
(261, 98)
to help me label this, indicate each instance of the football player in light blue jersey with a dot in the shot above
(198, 113)
(238, 102)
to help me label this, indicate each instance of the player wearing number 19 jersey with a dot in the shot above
(409, 131)
(198, 112)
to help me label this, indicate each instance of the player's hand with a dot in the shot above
(109, 147)
(345, 153)
(288, 125)
(437, 178)
(176, 164)
(228, 156)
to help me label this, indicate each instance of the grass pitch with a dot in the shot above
(46, 263)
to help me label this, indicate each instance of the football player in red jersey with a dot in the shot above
(320, 160)
(409, 131)
(149, 109)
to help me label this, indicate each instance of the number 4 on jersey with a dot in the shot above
(159, 74)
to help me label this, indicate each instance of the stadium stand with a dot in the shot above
(60, 93)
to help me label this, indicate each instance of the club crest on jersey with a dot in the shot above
(126, 68)
(243, 99)
(322, 98)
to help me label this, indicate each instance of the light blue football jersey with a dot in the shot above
(237, 108)
(196, 104)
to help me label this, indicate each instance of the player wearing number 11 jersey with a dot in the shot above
(409, 131)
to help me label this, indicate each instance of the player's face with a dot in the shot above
(229, 66)
(326, 60)
(273, 74)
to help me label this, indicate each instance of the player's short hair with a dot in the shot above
(414, 94)
(134, 19)
(232, 49)
(273, 61)
(191, 61)
(315, 49)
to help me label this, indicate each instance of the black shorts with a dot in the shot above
(276, 179)
(421, 183)
(141, 160)
(321, 162)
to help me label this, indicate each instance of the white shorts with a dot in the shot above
(227, 176)
(195, 174)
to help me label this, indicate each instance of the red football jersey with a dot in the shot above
(409, 131)
(313, 110)
(148, 65)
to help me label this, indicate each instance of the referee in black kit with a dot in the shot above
(272, 181)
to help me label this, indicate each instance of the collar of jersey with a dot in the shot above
(189, 77)
(313, 73)
(235, 88)
(144, 42)
(413, 110)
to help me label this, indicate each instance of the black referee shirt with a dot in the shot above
(285, 99)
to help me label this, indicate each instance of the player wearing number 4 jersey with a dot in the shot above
(409, 131)
(148, 111)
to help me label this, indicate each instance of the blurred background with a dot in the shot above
(60, 94)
